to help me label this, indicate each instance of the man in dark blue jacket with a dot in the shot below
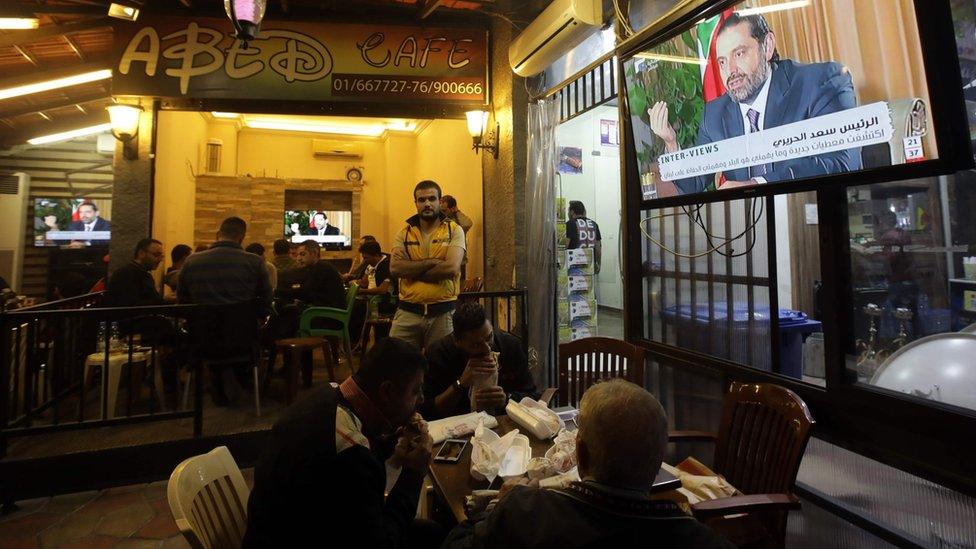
(764, 91)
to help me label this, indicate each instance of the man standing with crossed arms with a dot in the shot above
(426, 259)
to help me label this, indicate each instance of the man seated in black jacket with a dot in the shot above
(457, 360)
(316, 283)
(322, 475)
(132, 285)
(622, 436)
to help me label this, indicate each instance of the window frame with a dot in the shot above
(923, 438)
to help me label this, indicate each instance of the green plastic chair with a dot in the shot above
(336, 316)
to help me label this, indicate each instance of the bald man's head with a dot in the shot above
(623, 433)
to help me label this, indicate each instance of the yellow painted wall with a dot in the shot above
(178, 138)
(391, 167)
(444, 155)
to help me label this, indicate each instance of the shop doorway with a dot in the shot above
(588, 174)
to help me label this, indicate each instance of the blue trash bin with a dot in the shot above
(696, 331)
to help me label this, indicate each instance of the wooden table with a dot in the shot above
(453, 481)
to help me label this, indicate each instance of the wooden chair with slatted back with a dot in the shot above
(758, 449)
(472, 285)
(208, 497)
(586, 361)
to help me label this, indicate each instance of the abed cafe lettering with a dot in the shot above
(408, 49)
(299, 57)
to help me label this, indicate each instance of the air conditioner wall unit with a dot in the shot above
(558, 29)
(14, 191)
(334, 148)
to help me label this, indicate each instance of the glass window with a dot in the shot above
(708, 287)
(913, 287)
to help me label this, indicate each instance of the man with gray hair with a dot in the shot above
(620, 444)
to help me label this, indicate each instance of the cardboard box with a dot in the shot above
(580, 283)
(575, 307)
(579, 256)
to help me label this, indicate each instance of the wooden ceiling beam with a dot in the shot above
(56, 104)
(18, 38)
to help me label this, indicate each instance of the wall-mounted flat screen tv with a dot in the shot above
(767, 92)
(331, 229)
(73, 222)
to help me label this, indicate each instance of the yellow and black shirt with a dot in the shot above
(434, 245)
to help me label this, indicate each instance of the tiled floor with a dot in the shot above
(135, 516)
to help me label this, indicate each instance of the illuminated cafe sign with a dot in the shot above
(320, 61)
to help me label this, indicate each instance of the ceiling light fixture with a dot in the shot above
(775, 7)
(71, 134)
(218, 114)
(125, 127)
(18, 18)
(19, 23)
(56, 83)
(127, 11)
(266, 124)
(246, 16)
(477, 122)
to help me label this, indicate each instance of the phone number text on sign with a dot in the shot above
(408, 87)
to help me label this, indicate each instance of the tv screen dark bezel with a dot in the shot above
(946, 108)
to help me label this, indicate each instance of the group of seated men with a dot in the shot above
(352, 459)
(227, 272)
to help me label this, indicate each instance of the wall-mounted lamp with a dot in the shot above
(125, 127)
(246, 15)
(477, 123)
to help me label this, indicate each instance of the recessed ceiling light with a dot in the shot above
(269, 124)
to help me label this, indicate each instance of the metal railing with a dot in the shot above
(50, 355)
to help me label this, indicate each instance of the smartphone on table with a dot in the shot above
(451, 450)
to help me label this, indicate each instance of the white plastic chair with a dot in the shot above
(208, 497)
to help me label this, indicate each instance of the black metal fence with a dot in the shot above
(72, 364)
(53, 355)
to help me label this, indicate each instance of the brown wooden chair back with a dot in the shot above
(472, 285)
(760, 443)
(586, 361)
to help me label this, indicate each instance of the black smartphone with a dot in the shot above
(451, 450)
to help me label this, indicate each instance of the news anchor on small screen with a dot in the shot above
(321, 226)
(89, 219)
(764, 91)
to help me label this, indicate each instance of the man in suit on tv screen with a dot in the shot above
(764, 91)
(320, 226)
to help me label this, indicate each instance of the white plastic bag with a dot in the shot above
(563, 451)
(459, 426)
(492, 455)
